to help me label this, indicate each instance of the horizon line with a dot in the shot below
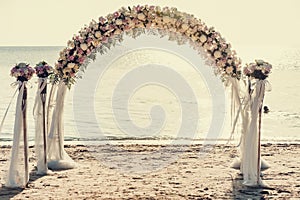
(32, 45)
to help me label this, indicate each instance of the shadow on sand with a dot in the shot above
(8, 193)
(240, 191)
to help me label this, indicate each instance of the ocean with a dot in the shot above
(281, 124)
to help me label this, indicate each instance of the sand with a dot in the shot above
(159, 172)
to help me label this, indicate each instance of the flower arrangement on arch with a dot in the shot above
(43, 69)
(100, 35)
(258, 70)
(22, 71)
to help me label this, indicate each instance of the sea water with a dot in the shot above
(282, 123)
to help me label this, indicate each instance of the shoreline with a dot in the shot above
(158, 172)
(150, 141)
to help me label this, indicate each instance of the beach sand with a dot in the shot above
(159, 172)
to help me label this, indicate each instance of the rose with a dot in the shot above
(119, 22)
(95, 43)
(184, 27)
(267, 69)
(84, 46)
(76, 67)
(194, 38)
(71, 58)
(166, 19)
(141, 17)
(95, 26)
(217, 54)
(70, 65)
(131, 24)
(229, 70)
(117, 32)
(206, 46)
(116, 14)
(81, 60)
(259, 62)
(98, 34)
(203, 38)
(102, 20)
(247, 71)
(71, 44)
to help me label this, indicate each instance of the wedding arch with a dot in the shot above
(181, 27)
(99, 36)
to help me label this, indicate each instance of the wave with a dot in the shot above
(165, 138)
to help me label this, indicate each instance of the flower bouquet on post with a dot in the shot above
(17, 175)
(251, 156)
(257, 71)
(43, 70)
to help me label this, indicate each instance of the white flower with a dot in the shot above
(228, 51)
(184, 27)
(119, 22)
(203, 38)
(95, 43)
(194, 38)
(70, 65)
(83, 46)
(268, 68)
(141, 16)
(206, 46)
(76, 67)
(217, 54)
(229, 70)
(131, 24)
(95, 26)
(98, 34)
(117, 31)
(22, 65)
(259, 62)
(71, 44)
(166, 19)
(67, 70)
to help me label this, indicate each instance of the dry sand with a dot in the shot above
(159, 172)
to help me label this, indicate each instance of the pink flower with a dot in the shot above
(138, 8)
(88, 52)
(22, 71)
(81, 60)
(71, 58)
(102, 20)
(80, 51)
(247, 71)
(116, 14)
(104, 39)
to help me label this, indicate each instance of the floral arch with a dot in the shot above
(100, 35)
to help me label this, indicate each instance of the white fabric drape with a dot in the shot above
(58, 159)
(236, 106)
(7, 109)
(40, 144)
(251, 161)
(51, 105)
(18, 174)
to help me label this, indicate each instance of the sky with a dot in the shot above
(241, 22)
